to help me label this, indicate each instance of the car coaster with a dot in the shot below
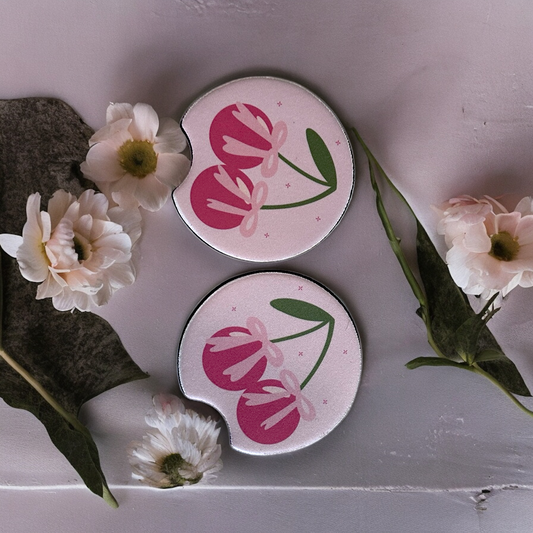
(279, 357)
(272, 169)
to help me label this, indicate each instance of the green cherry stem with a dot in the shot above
(300, 334)
(327, 192)
(331, 327)
(302, 172)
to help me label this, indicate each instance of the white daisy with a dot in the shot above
(78, 250)
(135, 159)
(182, 450)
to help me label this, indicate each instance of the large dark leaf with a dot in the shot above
(74, 356)
(449, 309)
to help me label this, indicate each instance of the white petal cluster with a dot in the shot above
(181, 450)
(490, 248)
(135, 159)
(78, 250)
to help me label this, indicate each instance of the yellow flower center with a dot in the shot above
(171, 465)
(82, 247)
(504, 246)
(138, 158)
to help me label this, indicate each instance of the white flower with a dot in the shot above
(78, 250)
(490, 249)
(182, 450)
(135, 159)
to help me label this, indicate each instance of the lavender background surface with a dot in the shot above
(442, 92)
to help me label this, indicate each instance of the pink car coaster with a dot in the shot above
(278, 355)
(272, 169)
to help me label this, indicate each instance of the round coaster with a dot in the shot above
(272, 169)
(278, 355)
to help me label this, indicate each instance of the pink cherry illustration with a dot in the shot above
(260, 403)
(269, 411)
(242, 136)
(216, 363)
(224, 198)
(235, 358)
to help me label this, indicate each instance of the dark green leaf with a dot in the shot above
(300, 309)
(449, 309)
(74, 356)
(322, 157)
(435, 361)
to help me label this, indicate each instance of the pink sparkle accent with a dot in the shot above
(287, 185)
(300, 287)
(345, 352)
(300, 354)
(337, 142)
(318, 219)
(234, 309)
(279, 104)
(325, 402)
(267, 235)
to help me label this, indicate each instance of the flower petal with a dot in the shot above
(116, 112)
(102, 163)
(10, 243)
(172, 169)
(151, 193)
(170, 137)
(145, 123)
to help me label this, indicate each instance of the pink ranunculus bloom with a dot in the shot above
(242, 136)
(80, 251)
(490, 249)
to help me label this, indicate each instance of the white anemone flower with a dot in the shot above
(490, 249)
(135, 159)
(78, 250)
(182, 450)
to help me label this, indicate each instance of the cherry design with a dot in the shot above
(243, 137)
(269, 411)
(236, 358)
(224, 198)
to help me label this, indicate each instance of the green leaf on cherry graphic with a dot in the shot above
(301, 309)
(322, 157)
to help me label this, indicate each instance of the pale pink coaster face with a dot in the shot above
(277, 355)
(272, 169)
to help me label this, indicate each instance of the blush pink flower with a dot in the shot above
(79, 250)
(490, 249)
(135, 159)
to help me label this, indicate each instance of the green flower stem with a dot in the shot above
(300, 334)
(327, 192)
(395, 241)
(331, 326)
(478, 370)
(375, 162)
(71, 419)
(302, 172)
